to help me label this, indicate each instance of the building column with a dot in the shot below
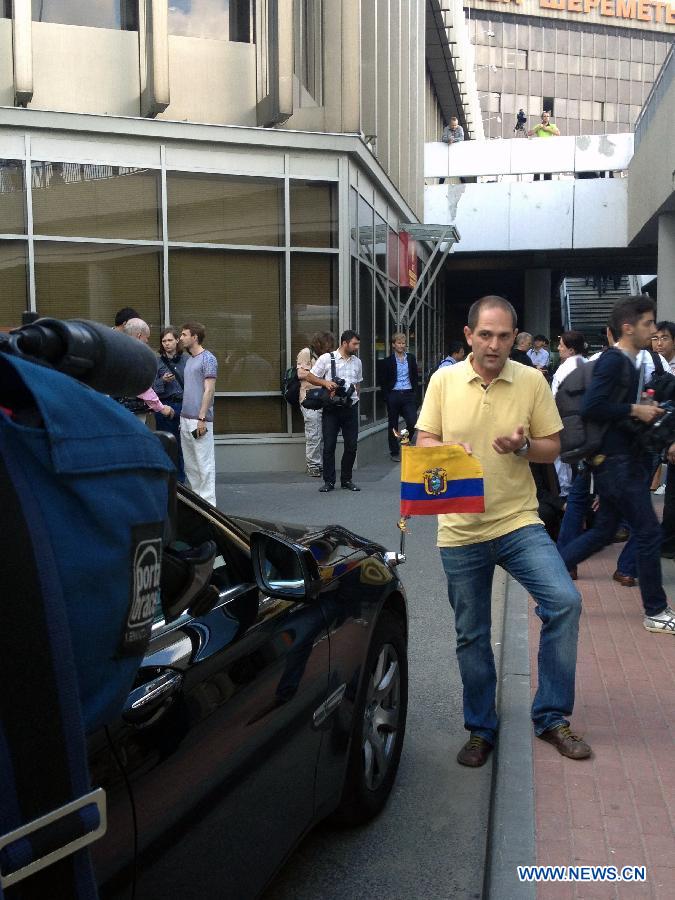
(666, 267)
(22, 38)
(537, 311)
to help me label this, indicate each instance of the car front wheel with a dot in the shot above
(379, 725)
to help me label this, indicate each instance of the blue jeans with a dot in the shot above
(530, 556)
(622, 486)
(173, 427)
(576, 509)
(572, 524)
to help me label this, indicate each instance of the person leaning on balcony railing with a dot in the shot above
(544, 129)
(452, 134)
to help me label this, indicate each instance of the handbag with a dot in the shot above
(316, 398)
(319, 397)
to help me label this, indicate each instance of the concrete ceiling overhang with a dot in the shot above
(444, 67)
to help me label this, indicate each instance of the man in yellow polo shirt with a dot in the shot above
(504, 414)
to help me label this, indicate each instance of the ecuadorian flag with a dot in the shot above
(438, 480)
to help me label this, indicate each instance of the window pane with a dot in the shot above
(366, 239)
(353, 221)
(381, 233)
(249, 415)
(354, 295)
(118, 14)
(5, 9)
(12, 197)
(238, 297)
(314, 298)
(13, 283)
(365, 328)
(220, 20)
(313, 214)
(93, 281)
(217, 209)
(381, 343)
(76, 200)
(366, 409)
(380, 407)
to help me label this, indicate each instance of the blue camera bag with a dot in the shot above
(92, 482)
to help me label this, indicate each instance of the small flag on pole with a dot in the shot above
(443, 479)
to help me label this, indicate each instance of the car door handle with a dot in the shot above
(147, 698)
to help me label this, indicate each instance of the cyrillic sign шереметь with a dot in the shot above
(656, 12)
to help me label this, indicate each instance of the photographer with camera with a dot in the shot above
(622, 468)
(521, 119)
(341, 373)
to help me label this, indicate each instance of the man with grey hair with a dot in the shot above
(520, 348)
(137, 328)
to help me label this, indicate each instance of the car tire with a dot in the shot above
(379, 725)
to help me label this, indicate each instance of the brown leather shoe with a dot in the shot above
(566, 742)
(625, 580)
(475, 752)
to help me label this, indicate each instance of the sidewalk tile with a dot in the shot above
(618, 808)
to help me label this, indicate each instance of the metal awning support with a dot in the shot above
(437, 236)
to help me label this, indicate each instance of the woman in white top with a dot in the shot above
(571, 349)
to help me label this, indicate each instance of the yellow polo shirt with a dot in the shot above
(457, 408)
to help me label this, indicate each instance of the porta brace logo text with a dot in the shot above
(147, 573)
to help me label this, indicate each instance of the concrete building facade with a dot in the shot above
(591, 62)
(251, 164)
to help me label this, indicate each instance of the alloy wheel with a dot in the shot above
(381, 716)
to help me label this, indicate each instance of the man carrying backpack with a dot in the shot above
(621, 472)
(322, 342)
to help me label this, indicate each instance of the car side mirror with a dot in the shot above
(282, 568)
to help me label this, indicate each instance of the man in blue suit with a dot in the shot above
(398, 380)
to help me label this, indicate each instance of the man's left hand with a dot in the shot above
(671, 454)
(201, 428)
(510, 443)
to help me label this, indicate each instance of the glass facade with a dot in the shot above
(76, 200)
(256, 260)
(13, 283)
(120, 15)
(594, 79)
(98, 244)
(217, 209)
(219, 20)
(12, 197)
(379, 307)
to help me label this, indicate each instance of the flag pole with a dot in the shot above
(404, 440)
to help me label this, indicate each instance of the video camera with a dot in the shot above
(659, 434)
(342, 395)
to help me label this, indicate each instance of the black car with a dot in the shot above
(282, 705)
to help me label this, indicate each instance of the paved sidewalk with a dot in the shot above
(618, 808)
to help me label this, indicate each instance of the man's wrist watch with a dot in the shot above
(201, 419)
(524, 450)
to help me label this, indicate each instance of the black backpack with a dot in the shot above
(581, 438)
(290, 386)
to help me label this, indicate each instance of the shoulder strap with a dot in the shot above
(656, 359)
(174, 370)
(43, 766)
(333, 366)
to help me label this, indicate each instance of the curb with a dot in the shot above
(511, 838)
